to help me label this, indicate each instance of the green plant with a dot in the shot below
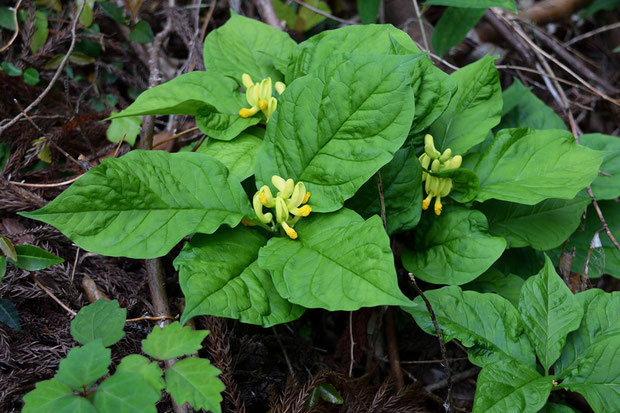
(360, 119)
(83, 382)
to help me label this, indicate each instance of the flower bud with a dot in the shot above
(258, 209)
(445, 155)
(278, 182)
(455, 162)
(303, 211)
(266, 197)
(435, 166)
(280, 87)
(299, 194)
(289, 231)
(289, 186)
(247, 81)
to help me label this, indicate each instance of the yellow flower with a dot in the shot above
(434, 186)
(260, 96)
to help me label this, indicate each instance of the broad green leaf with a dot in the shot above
(73, 404)
(334, 137)
(84, 365)
(339, 262)
(150, 371)
(173, 341)
(237, 155)
(607, 183)
(220, 276)
(543, 226)
(476, 4)
(527, 166)
(245, 45)
(39, 37)
(45, 395)
(6, 18)
(588, 362)
(126, 392)
(102, 319)
(523, 109)
(432, 88)
(493, 281)
(487, 324)
(453, 26)
(31, 76)
(402, 192)
(126, 128)
(142, 204)
(195, 381)
(453, 248)
(112, 11)
(465, 184)
(549, 311)
(10, 69)
(215, 100)
(605, 258)
(508, 386)
(368, 10)
(31, 258)
(142, 32)
(474, 109)
(556, 408)
(8, 315)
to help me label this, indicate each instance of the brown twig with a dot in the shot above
(150, 318)
(392, 347)
(455, 379)
(381, 200)
(421, 23)
(173, 137)
(203, 29)
(442, 344)
(16, 32)
(52, 296)
(504, 30)
(325, 14)
(70, 181)
(592, 33)
(63, 62)
(597, 208)
(268, 13)
(288, 361)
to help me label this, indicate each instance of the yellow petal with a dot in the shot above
(262, 104)
(278, 182)
(304, 211)
(426, 202)
(306, 198)
(246, 113)
(289, 231)
(438, 206)
(247, 81)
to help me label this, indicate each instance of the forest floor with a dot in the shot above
(274, 368)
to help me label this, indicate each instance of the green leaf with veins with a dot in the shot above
(44, 397)
(220, 276)
(322, 135)
(102, 319)
(474, 109)
(244, 45)
(402, 192)
(527, 166)
(556, 408)
(607, 183)
(340, 263)
(31, 258)
(487, 324)
(84, 365)
(215, 100)
(195, 381)
(508, 386)
(73, 404)
(587, 364)
(142, 204)
(543, 226)
(237, 155)
(476, 4)
(126, 392)
(125, 128)
(549, 311)
(494, 281)
(150, 371)
(453, 248)
(173, 341)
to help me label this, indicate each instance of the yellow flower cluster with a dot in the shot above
(434, 186)
(289, 203)
(260, 96)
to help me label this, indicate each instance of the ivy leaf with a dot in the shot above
(83, 366)
(607, 184)
(493, 281)
(195, 381)
(527, 166)
(453, 248)
(126, 392)
(215, 100)
(474, 109)
(142, 204)
(453, 26)
(549, 311)
(402, 192)
(9, 315)
(102, 319)
(543, 226)
(173, 341)
(43, 398)
(150, 371)
(509, 386)
(126, 128)
(586, 363)
(237, 155)
(244, 45)
(220, 276)
(340, 263)
(73, 404)
(31, 258)
(487, 324)
(321, 133)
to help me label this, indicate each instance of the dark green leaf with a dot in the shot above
(102, 319)
(195, 381)
(219, 276)
(368, 10)
(339, 262)
(31, 258)
(607, 183)
(173, 341)
(142, 204)
(329, 393)
(598, 5)
(39, 37)
(477, 4)
(46, 394)
(8, 315)
(5, 153)
(556, 408)
(83, 366)
(31, 76)
(112, 11)
(126, 392)
(493, 281)
(10, 69)
(141, 33)
(6, 18)
(453, 26)
(453, 248)
(126, 128)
